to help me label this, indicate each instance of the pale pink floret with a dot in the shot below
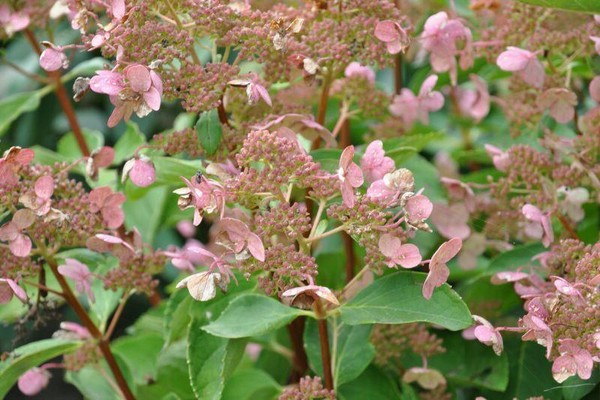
(524, 63)
(418, 208)
(10, 288)
(108, 204)
(565, 287)
(426, 378)
(235, 235)
(560, 102)
(538, 331)
(255, 90)
(121, 249)
(117, 9)
(501, 159)
(573, 360)
(140, 170)
(72, 330)
(488, 335)
(33, 381)
(396, 253)
(304, 296)
(474, 103)
(508, 277)
(80, 274)
(355, 69)
(40, 200)
(393, 35)
(572, 201)
(438, 270)
(350, 176)
(203, 195)
(53, 59)
(451, 221)
(374, 163)
(19, 244)
(539, 225)
(12, 22)
(411, 108)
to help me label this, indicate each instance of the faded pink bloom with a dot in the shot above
(33, 381)
(538, 331)
(72, 330)
(474, 103)
(80, 274)
(392, 187)
(524, 63)
(438, 270)
(565, 287)
(426, 378)
(53, 58)
(500, 158)
(10, 163)
(118, 247)
(39, 201)
(488, 335)
(204, 195)
(451, 221)
(10, 288)
(396, 253)
(418, 208)
(472, 248)
(538, 224)
(355, 69)
(203, 285)
(572, 360)
(458, 190)
(350, 176)
(305, 296)
(100, 158)
(235, 235)
(254, 89)
(413, 108)
(441, 37)
(19, 244)
(186, 229)
(393, 35)
(561, 102)
(138, 89)
(508, 277)
(374, 163)
(104, 201)
(572, 201)
(12, 22)
(595, 89)
(140, 170)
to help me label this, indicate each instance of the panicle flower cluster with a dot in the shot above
(309, 388)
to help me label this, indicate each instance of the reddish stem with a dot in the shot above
(63, 98)
(296, 329)
(567, 225)
(398, 73)
(324, 340)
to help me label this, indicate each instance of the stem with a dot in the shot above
(300, 365)
(222, 114)
(398, 73)
(324, 339)
(43, 287)
(32, 76)
(116, 316)
(567, 225)
(326, 234)
(63, 98)
(103, 343)
(322, 110)
(317, 217)
(350, 256)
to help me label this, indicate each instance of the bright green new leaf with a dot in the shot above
(13, 106)
(129, 141)
(587, 6)
(397, 299)
(209, 131)
(31, 355)
(251, 315)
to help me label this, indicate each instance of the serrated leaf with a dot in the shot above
(13, 106)
(209, 131)
(397, 299)
(250, 384)
(251, 315)
(587, 6)
(29, 356)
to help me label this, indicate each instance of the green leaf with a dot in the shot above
(351, 350)
(587, 6)
(145, 213)
(401, 154)
(373, 384)
(67, 145)
(426, 176)
(129, 141)
(140, 353)
(397, 299)
(177, 317)
(211, 360)
(250, 384)
(85, 68)
(169, 170)
(209, 131)
(328, 158)
(576, 388)
(13, 106)
(91, 380)
(31, 355)
(415, 141)
(517, 257)
(251, 315)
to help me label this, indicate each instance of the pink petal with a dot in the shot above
(437, 276)
(263, 93)
(152, 98)
(346, 157)
(118, 9)
(113, 217)
(33, 381)
(347, 194)
(434, 23)
(408, 256)
(418, 207)
(104, 156)
(23, 219)
(139, 77)
(374, 163)
(142, 173)
(8, 288)
(52, 60)
(354, 175)
(447, 251)
(386, 31)
(116, 116)
(532, 213)
(428, 85)
(506, 277)
(534, 73)
(44, 187)
(514, 59)
(9, 231)
(256, 247)
(107, 82)
(21, 246)
(388, 245)
(156, 82)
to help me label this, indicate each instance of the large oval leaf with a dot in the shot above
(588, 6)
(250, 315)
(397, 299)
(29, 356)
